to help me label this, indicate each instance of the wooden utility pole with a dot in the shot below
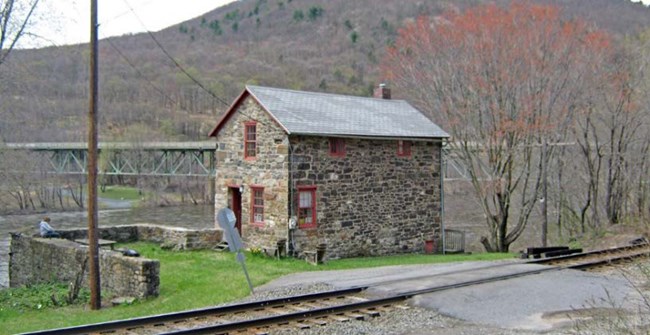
(544, 193)
(93, 246)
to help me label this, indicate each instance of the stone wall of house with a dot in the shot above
(175, 238)
(38, 260)
(370, 202)
(269, 170)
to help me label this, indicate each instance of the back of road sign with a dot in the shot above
(226, 219)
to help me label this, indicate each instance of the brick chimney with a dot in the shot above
(382, 92)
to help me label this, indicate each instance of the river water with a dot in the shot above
(181, 216)
(178, 216)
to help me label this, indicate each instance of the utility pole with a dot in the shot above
(93, 247)
(544, 193)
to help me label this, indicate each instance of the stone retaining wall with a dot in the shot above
(39, 260)
(174, 238)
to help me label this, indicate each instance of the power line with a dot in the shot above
(178, 65)
(126, 59)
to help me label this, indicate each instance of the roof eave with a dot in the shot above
(375, 137)
(231, 110)
(268, 111)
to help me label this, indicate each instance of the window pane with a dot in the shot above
(305, 199)
(337, 146)
(307, 215)
(250, 133)
(259, 217)
(250, 149)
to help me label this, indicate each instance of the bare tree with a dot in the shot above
(505, 82)
(15, 20)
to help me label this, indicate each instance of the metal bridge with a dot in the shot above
(158, 158)
(187, 159)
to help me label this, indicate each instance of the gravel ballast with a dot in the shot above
(490, 309)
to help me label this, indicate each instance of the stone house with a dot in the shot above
(360, 174)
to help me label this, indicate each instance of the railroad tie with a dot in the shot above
(356, 316)
(315, 305)
(297, 308)
(370, 312)
(339, 318)
(360, 299)
(319, 321)
(302, 326)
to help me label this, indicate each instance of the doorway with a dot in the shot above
(235, 205)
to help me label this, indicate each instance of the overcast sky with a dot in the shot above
(68, 21)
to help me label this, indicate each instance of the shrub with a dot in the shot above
(298, 15)
(315, 12)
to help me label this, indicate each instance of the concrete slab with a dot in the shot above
(533, 302)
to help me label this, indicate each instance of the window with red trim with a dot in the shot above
(403, 148)
(250, 139)
(337, 147)
(307, 207)
(257, 205)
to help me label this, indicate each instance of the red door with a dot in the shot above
(236, 206)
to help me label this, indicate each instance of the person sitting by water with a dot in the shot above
(46, 230)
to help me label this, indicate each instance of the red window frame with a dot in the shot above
(250, 140)
(306, 206)
(404, 148)
(337, 147)
(257, 205)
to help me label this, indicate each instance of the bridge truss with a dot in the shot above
(186, 159)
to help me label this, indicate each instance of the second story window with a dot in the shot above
(337, 147)
(403, 148)
(250, 140)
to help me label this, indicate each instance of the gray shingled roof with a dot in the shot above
(310, 113)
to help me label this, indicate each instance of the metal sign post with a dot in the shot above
(226, 219)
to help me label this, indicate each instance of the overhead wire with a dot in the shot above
(181, 68)
(176, 63)
(126, 59)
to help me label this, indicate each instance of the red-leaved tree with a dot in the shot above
(505, 82)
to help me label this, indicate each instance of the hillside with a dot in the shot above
(320, 45)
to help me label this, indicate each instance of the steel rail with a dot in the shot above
(171, 317)
(609, 251)
(270, 320)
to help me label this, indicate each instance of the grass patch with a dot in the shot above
(195, 279)
(120, 193)
(39, 297)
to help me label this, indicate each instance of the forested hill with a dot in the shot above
(321, 45)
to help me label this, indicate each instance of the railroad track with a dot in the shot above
(596, 259)
(224, 315)
(306, 311)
